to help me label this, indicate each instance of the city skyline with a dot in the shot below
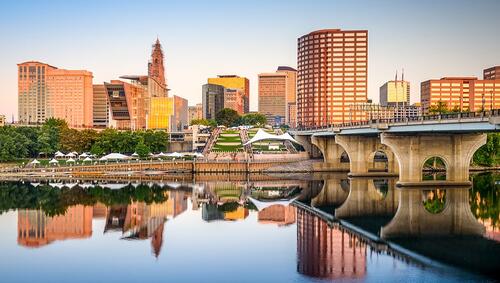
(399, 41)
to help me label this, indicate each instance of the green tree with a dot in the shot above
(254, 119)
(142, 149)
(227, 117)
(489, 153)
(439, 108)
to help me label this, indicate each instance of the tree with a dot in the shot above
(227, 117)
(254, 119)
(489, 154)
(142, 149)
(439, 108)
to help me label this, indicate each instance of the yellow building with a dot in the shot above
(162, 108)
(395, 92)
(235, 82)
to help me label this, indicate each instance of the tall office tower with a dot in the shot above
(492, 73)
(233, 81)
(213, 100)
(332, 76)
(45, 91)
(395, 93)
(100, 114)
(277, 95)
(485, 94)
(452, 91)
(156, 69)
(233, 99)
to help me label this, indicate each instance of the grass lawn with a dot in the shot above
(220, 146)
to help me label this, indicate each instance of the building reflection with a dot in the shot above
(37, 229)
(280, 215)
(325, 251)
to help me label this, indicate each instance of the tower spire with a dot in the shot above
(156, 69)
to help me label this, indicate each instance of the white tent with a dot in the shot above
(262, 135)
(88, 159)
(75, 153)
(161, 154)
(35, 162)
(115, 156)
(175, 155)
(70, 155)
(58, 154)
(70, 160)
(135, 154)
(103, 158)
(53, 161)
(83, 155)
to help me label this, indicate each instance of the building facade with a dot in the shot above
(213, 100)
(156, 69)
(492, 73)
(332, 76)
(180, 118)
(234, 99)
(395, 93)
(277, 92)
(45, 91)
(195, 112)
(100, 113)
(235, 82)
(485, 94)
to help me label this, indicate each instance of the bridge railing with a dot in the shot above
(407, 120)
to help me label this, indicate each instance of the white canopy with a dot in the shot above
(135, 154)
(87, 159)
(115, 156)
(103, 158)
(75, 153)
(58, 154)
(83, 155)
(71, 155)
(262, 135)
(175, 154)
(53, 161)
(35, 161)
(70, 160)
(161, 154)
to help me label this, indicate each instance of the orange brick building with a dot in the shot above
(332, 76)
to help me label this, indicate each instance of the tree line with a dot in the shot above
(55, 135)
(230, 118)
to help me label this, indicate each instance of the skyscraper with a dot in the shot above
(332, 76)
(492, 73)
(44, 91)
(213, 100)
(235, 82)
(395, 93)
(277, 94)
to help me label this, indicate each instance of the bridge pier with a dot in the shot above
(308, 146)
(413, 220)
(332, 153)
(334, 193)
(361, 151)
(365, 199)
(412, 151)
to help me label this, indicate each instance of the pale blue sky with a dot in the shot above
(429, 39)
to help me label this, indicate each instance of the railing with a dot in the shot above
(407, 120)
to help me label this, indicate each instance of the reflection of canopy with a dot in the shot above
(115, 156)
(262, 135)
(265, 204)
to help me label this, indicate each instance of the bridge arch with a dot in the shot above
(434, 167)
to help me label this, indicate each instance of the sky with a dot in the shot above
(202, 39)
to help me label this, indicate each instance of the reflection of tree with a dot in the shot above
(434, 200)
(55, 201)
(484, 198)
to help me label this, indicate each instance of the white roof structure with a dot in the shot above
(71, 154)
(175, 154)
(161, 154)
(35, 161)
(115, 156)
(53, 161)
(59, 154)
(103, 158)
(87, 159)
(83, 155)
(265, 204)
(262, 135)
(70, 160)
(135, 154)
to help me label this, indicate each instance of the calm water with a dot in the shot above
(236, 231)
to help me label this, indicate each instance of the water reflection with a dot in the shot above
(324, 209)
